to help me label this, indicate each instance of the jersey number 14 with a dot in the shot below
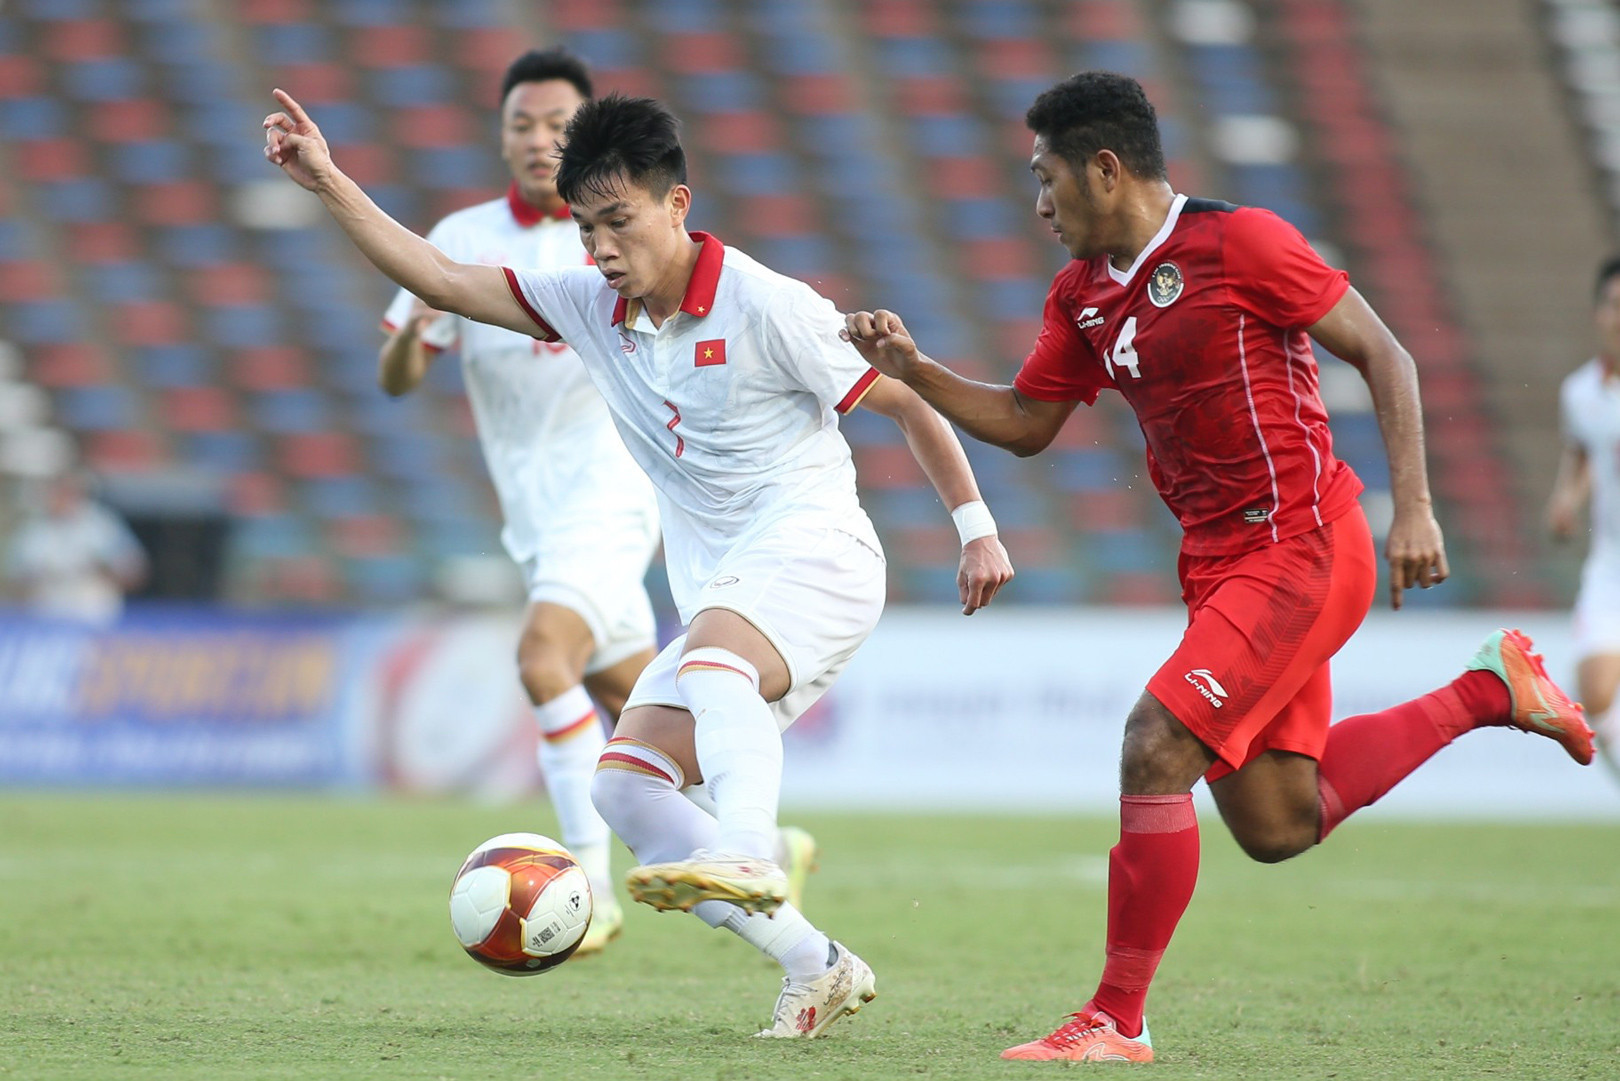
(1123, 354)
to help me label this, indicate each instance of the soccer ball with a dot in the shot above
(520, 904)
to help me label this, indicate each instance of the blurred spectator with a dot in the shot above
(73, 557)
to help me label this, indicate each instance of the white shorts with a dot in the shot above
(600, 574)
(1597, 608)
(814, 592)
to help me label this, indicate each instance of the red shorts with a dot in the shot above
(1251, 673)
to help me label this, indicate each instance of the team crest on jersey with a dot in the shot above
(1165, 285)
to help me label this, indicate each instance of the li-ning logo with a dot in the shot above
(1207, 685)
(1088, 317)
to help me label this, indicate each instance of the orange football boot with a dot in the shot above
(1087, 1036)
(1539, 706)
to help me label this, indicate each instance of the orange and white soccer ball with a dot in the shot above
(520, 904)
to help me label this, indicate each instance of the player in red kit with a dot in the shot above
(1200, 315)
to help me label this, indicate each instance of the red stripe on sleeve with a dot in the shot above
(857, 392)
(548, 334)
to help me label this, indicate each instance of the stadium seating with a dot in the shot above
(183, 311)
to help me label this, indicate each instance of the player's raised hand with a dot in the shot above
(1416, 552)
(882, 340)
(292, 141)
(985, 568)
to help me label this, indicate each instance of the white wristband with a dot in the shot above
(973, 521)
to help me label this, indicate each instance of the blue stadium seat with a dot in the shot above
(347, 122)
(608, 48)
(757, 174)
(340, 497)
(123, 283)
(33, 118)
(413, 84)
(981, 219)
(243, 326)
(194, 246)
(991, 19)
(272, 536)
(180, 42)
(1133, 58)
(80, 199)
(172, 12)
(800, 54)
(385, 579)
(722, 92)
(107, 79)
(448, 166)
(98, 408)
(375, 12)
(686, 16)
(41, 322)
(796, 256)
(159, 161)
(291, 411)
(275, 44)
(902, 57)
(946, 136)
(65, 10)
(14, 243)
(224, 452)
(471, 14)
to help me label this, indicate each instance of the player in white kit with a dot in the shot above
(580, 517)
(726, 381)
(1589, 471)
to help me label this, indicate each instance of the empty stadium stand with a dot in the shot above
(187, 310)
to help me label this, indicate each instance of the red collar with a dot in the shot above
(700, 288)
(526, 213)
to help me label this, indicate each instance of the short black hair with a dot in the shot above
(619, 138)
(1099, 110)
(1607, 272)
(541, 65)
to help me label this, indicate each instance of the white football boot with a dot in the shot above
(754, 885)
(805, 1010)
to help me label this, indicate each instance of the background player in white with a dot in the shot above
(1589, 403)
(580, 517)
(725, 379)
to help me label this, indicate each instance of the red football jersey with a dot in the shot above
(1204, 336)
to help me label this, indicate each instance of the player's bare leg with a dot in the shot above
(1151, 874)
(1271, 805)
(1596, 677)
(553, 651)
(651, 758)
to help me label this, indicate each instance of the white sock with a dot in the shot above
(738, 746)
(571, 739)
(637, 789)
(786, 936)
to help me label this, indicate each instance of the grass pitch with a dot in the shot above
(246, 937)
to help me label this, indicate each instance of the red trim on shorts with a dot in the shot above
(714, 665)
(635, 763)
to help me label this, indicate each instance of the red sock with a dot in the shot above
(1151, 874)
(1366, 756)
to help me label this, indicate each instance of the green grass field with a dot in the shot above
(247, 937)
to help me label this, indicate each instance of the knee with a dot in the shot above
(545, 671)
(1278, 842)
(610, 793)
(1160, 755)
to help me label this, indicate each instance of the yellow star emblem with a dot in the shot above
(707, 353)
(701, 309)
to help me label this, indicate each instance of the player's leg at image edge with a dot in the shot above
(638, 789)
(1155, 865)
(571, 741)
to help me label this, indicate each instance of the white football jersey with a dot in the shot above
(1590, 407)
(731, 406)
(551, 448)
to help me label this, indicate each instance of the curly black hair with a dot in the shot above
(538, 66)
(618, 139)
(1098, 110)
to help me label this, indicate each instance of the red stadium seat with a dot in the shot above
(818, 94)
(230, 283)
(102, 242)
(698, 54)
(29, 279)
(317, 82)
(739, 133)
(365, 535)
(396, 46)
(20, 76)
(255, 495)
(778, 215)
(124, 451)
(888, 465)
(433, 125)
(269, 367)
(180, 202)
(70, 364)
(585, 14)
(276, 11)
(998, 258)
(150, 322)
(198, 409)
(932, 95)
(317, 454)
(133, 120)
(84, 39)
(964, 178)
(50, 159)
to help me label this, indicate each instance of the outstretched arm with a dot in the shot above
(293, 142)
(984, 568)
(1352, 331)
(997, 415)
